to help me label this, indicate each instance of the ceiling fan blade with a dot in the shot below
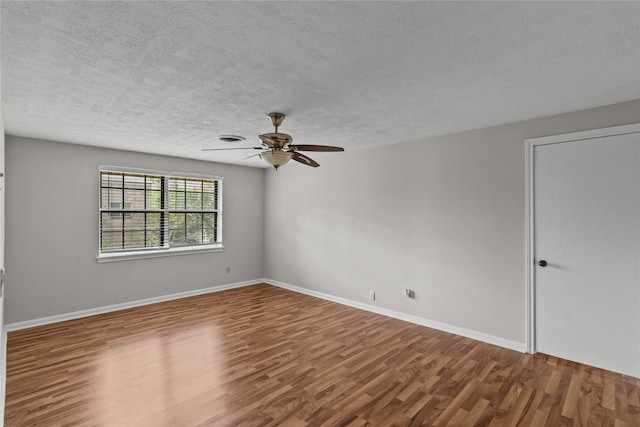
(301, 158)
(234, 148)
(315, 148)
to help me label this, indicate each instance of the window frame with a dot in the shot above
(165, 210)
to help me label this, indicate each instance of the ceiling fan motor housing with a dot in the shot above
(276, 140)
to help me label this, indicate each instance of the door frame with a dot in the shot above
(530, 271)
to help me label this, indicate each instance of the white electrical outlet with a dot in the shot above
(228, 269)
(372, 295)
(409, 293)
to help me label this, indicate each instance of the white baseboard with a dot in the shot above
(115, 307)
(479, 336)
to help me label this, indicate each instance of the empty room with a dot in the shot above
(319, 213)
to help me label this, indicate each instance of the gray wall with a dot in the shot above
(52, 232)
(444, 217)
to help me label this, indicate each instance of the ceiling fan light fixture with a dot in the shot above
(276, 158)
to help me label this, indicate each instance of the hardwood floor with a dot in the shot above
(265, 356)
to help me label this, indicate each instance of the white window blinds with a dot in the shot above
(152, 211)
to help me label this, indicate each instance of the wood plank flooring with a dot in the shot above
(265, 356)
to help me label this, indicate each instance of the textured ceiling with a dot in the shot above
(170, 77)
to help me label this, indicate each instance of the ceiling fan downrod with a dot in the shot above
(276, 119)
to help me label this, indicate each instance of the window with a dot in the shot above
(149, 213)
(114, 207)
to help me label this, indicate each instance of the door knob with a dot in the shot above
(542, 263)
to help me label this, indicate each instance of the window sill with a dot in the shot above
(156, 253)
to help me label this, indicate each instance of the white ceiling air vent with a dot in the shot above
(231, 138)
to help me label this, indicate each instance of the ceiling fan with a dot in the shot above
(278, 147)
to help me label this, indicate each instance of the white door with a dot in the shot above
(586, 219)
(2, 191)
(2, 271)
(2, 335)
